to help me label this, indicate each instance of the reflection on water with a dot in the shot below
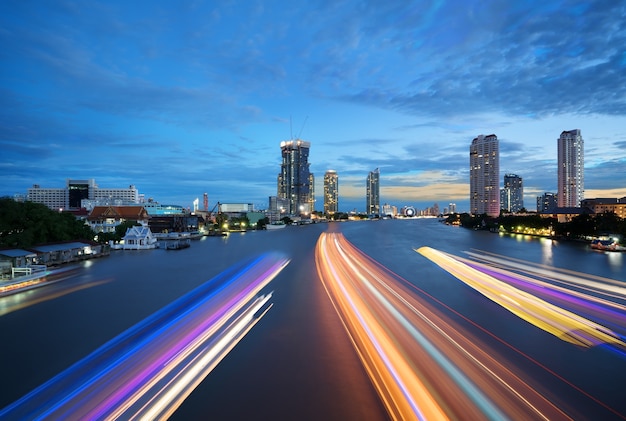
(616, 260)
(546, 249)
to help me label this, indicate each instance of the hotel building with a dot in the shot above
(82, 194)
(485, 175)
(570, 171)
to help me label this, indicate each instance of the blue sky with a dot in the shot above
(180, 98)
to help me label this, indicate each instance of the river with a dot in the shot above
(298, 362)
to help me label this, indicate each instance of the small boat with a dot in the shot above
(606, 245)
(275, 225)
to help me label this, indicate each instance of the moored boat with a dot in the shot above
(606, 245)
(275, 225)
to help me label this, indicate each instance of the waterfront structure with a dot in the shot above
(277, 208)
(295, 181)
(236, 207)
(389, 210)
(138, 237)
(82, 194)
(570, 171)
(485, 175)
(331, 192)
(452, 208)
(157, 209)
(546, 202)
(512, 195)
(603, 205)
(372, 193)
(107, 218)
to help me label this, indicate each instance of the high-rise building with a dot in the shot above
(331, 192)
(571, 171)
(372, 193)
(546, 202)
(512, 195)
(485, 175)
(295, 181)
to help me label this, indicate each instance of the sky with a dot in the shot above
(181, 98)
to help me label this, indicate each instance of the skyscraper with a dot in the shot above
(295, 181)
(571, 162)
(512, 195)
(485, 175)
(331, 192)
(372, 193)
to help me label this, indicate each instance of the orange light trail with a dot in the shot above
(421, 363)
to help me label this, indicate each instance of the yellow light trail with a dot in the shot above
(560, 322)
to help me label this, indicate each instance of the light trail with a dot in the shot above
(421, 363)
(558, 321)
(16, 295)
(148, 371)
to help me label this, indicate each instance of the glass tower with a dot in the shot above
(512, 195)
(571, 161)
(295, 181)
(372, 193)
(331, 192)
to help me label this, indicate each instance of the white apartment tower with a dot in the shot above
(485, 175)
(571, 171)
(372, 193)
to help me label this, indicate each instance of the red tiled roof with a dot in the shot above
(134, 213)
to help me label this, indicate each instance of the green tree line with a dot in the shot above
(26, 224)
(580, 226)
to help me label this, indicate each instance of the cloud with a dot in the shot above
(521, 63)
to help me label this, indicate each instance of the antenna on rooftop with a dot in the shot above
(302, 126)
(290, 129)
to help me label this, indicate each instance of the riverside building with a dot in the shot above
(512, 195)
(82, 194)
(485, 175)
(570, 171)
(331, 192)
(372, 193)
(295, 181)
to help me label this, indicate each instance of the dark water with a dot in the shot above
(297, 362)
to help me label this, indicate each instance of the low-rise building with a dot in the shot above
(107, 218)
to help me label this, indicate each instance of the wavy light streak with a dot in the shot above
(147, 371)
(551, 318)
(420, 362)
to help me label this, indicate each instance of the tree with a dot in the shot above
(26, 224)
(262, 223)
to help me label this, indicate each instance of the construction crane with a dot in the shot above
(218, 205)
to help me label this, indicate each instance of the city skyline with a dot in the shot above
(193, 99)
